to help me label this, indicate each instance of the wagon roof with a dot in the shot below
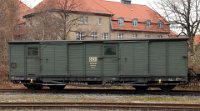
(94, 41)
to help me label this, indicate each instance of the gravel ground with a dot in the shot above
(17, 97)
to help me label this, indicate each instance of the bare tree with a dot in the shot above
(66, 10)
(55, 20)
(8, 18)
(42, 27)
(184, 13)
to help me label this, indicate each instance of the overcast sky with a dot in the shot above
(32, 3)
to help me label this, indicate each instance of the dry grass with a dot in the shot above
(4, 81)
(4, 72)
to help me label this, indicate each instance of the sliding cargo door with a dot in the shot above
(134, 59)
(110, 60)
(47, 59)
(76, 60)
(54, 59)
(177, 58)
(94, 60)
(17, 62)
(158, 58)
(33, 60)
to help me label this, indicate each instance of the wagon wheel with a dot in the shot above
(33, 86)
(57, 87)
(167, 88)
(141, 88)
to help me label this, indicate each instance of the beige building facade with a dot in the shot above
(115, 24)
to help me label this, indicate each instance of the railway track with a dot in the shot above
(104, 91)
(98, 105)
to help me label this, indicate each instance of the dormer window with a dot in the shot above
(135, 22)
(148, 24)
(126, 1)
(121, 21)
(160, 24)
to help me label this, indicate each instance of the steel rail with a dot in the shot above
(99, 105)
(104, 91)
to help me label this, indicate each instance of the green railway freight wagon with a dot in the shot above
(140, 63)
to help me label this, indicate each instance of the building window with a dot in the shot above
(83, 19)
(134, 36)
(79, 36)
(18, 28)
(160, 24)
(33, 51)
(120, 35)
(148, 24)
(105, 36)
(147, 36)
(94, 35)
(135, 22)
(120, 21)
(99, 21)
(160, 36)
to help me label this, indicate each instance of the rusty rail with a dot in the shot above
(98, 105)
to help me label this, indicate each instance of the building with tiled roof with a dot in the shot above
(112, 20)
(19, 29)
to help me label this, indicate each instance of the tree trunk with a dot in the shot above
(191, 46)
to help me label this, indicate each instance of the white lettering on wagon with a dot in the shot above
(93, 62)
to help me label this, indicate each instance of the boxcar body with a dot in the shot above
(141, 62)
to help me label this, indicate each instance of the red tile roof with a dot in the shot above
(129, 12)
(90, 6)
(196, 39)
(117, 10)
(23, 9)
(172, 34)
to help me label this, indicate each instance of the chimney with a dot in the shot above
(126, 1)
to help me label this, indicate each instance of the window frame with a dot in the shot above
(100, 21)
(135, 22)
(121, 21)
(134, 35)
(83, 19)
(106, 36)
(148, 23)
(160, 36)
(110, 55)
(148, 36)
(160, 25)
(94, 35)
(32, 54)
(80, 35)
(120, 36)
(18, 28)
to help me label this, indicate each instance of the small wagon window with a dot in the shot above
(110, 50)
(33, 51)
